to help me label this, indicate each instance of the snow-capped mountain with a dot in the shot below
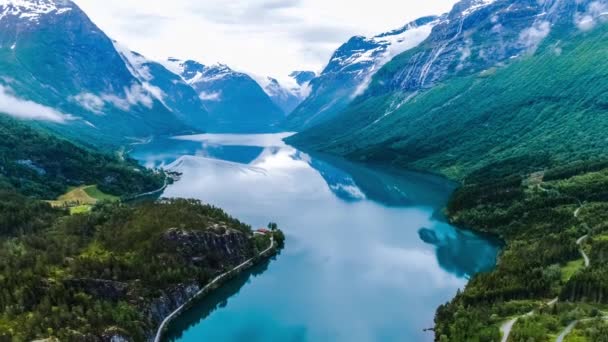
(166, 86)
(493, 79)
(289, 92)
(474, 36)
(236, 103)
(351, 68)
(54, 59)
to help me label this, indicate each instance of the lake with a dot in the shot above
(368, 256)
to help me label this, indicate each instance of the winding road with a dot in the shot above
(163, 324)
(507, 326)
(579, 242)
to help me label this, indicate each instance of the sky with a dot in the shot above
(262, 37)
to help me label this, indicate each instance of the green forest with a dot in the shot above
(41, 165)
(548, 217)
(97, 274)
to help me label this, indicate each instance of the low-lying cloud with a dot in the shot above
(212, 96)
(533, 36)
(135, 95)
(28, 110)
(596, 12)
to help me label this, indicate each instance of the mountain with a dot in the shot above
(169, 88)
(235, 102)
(54, 60)
(350, 69)
(494, 80)
(303, 77)
(290, 92)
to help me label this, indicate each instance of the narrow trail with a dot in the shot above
(165, 322)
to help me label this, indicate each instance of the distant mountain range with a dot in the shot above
(236, 102)
(86, 86)
(291, 93)
(494, 80)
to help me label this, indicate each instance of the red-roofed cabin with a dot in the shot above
(262, 231)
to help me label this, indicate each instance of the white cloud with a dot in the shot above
(135, 95)
(28, 110)
(533, 36)
(596, 11)
(90, 102)
(264, 37)
(205, 96)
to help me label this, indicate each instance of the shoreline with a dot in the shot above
(212, 285)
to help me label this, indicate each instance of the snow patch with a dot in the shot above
(479, 4)
(32, 10)
(135, 62)
(389, 46)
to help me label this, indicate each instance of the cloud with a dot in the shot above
(135, 95)
(90, 102)
(264, 37)
(596, 11)
(28, 110)
(533, 36)
(210, 96)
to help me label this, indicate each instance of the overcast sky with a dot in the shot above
(263, 37)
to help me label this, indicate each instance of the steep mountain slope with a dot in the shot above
(350, 69)
(53, 55)
(167, 87)
(235, 102)
(523, 88)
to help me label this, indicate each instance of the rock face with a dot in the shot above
(225, 248)
(171, 299)
(350, 69)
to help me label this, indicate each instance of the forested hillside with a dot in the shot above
(552, 101)
(42, 165)
(549, 216)
(112, 272)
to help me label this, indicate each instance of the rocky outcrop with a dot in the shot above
(169, 301)
(222, 246)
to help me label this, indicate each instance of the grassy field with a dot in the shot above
(571, 268)
(80, 199)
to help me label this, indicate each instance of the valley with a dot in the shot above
(443, 181)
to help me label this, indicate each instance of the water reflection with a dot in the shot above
(452, 250)
(356, 266)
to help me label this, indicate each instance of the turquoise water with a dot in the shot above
(367, 258)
